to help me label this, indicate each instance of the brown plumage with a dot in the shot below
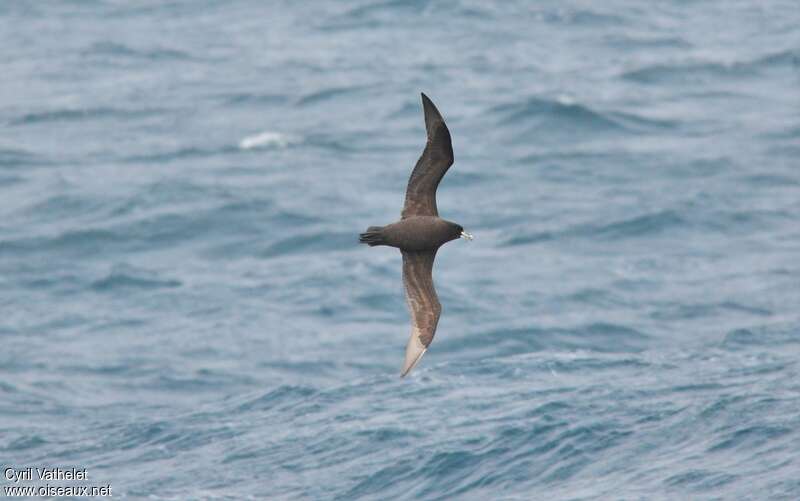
(420, 232)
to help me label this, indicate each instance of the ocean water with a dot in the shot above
(185, 311)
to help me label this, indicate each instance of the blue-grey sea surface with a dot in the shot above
(186, 313)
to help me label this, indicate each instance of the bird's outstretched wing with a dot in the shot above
(423, 303)
(436, 158)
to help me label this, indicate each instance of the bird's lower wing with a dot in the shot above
(423, 303)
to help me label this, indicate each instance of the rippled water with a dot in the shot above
(185, 312)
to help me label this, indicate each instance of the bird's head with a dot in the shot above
(458, 232)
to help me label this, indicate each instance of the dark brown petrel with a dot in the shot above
(419, 234)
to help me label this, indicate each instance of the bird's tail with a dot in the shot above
(373, 236)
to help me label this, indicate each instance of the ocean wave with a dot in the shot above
(250, 99)
(572, 16)
(10, 180)
(629, 41)
(563, 115)
(700, 70)
(24, 443)
(775, 335)
(685, 311)
(117, 50)
(7, 387)
(690, 218)
(331, 142)
(700, 479)
(83, 240)
(65, 206)
(634, 227)
(771, 180)
(553, 109)
(165, 229)
(645, 224)
(785, 58)
(178, 154)
(127, 277)
(73, 115)
(595, 337)
(312, 242)
(749, 437)
(327, 95)
(13, 157)
(281, 396)
(372, 7)
(267, 139)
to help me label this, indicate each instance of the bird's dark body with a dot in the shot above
(415, 233)
(419, 234)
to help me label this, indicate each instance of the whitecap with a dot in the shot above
(565, 99)
(266, 139)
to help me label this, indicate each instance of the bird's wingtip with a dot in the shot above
(433, 118)
(414, 351)
(427, 104)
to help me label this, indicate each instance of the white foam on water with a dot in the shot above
(565, 99)
(267, 139)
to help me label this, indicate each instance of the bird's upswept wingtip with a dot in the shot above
(414, 351)
(432, 115)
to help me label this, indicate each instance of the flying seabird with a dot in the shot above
(419, 233)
